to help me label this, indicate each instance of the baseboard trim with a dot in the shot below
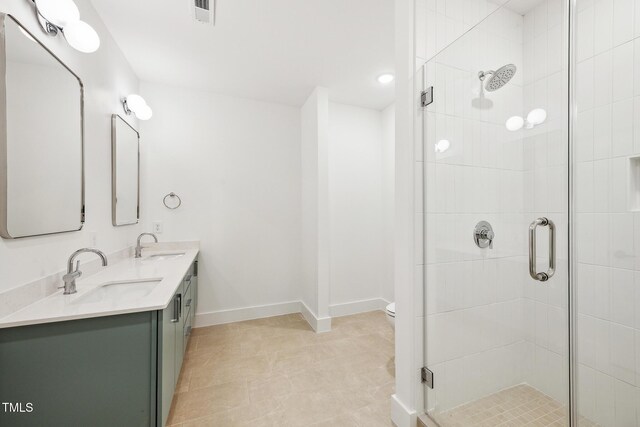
(355, 307)
(319, 324)
(402, 416)
(248, 313)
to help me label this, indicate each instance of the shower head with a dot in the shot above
(498, 78)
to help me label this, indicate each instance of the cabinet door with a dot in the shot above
(168, 378)
(89, 372)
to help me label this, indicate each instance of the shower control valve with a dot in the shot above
(483, 235)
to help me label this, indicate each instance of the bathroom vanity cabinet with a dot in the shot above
(116, 370)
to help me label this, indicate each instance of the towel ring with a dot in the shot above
(172, 195)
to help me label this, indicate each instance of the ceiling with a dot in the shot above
(276, 50)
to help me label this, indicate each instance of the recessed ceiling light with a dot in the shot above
(385, 78)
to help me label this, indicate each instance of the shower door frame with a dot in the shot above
(571, 273)
(570, 38)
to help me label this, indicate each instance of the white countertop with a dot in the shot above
(59, 307)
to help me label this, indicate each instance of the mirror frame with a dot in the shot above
(114, 167)
(4, 232)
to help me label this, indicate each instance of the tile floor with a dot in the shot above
(278, 372)
(517, 406)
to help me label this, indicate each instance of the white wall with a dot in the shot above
(107, 77)
(236, 165)
(358, 269)
(314, 159)
(388, 200)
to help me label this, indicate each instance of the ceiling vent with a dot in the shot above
(204, 11)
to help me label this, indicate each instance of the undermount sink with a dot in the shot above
(120, 290)
(164, 256)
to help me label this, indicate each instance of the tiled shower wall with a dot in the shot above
(608, 221)
(490, 326)
(475, 340)
(545, 159)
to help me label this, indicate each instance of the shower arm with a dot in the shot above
(483, 74)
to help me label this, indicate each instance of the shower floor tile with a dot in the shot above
(517, 406)
(521, 405)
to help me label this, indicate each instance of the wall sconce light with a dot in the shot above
(135, 104)
(63, 16)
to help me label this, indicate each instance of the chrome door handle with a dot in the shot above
(533, 271)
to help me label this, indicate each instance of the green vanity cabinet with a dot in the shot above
(174, 322)
(104, 371)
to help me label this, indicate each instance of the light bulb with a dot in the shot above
(385, 78)
(514, 123)
(135, 102)
(59, 12)
(442, 146)
(81, 36)
(537, 116)
(144, 113)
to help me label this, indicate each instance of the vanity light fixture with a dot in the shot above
(63, 16)
(135, 104)
(385, 78)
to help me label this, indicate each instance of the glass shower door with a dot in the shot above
(496, 202)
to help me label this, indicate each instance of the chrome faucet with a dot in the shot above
(71, 276)
(139, 248)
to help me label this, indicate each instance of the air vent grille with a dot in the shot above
(202, 4)
(203, 12)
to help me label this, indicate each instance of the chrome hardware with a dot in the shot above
(483, 235)
(139, 247)
(177, 303)
(73, 273)
(172, 195)
(426, 97)
(427, 376)
(544, 276)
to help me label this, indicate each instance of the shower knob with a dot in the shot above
(483, 235)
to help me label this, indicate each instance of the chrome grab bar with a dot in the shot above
(542, 277)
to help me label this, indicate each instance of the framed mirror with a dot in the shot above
(125, 175)
(41, 138)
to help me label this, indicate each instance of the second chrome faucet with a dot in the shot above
(139, 247)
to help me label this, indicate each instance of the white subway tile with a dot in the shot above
(622, 128)
(622, 71)
(623, 297)
(623, 17)
(603, 26)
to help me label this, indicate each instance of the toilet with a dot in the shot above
(391, 314)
